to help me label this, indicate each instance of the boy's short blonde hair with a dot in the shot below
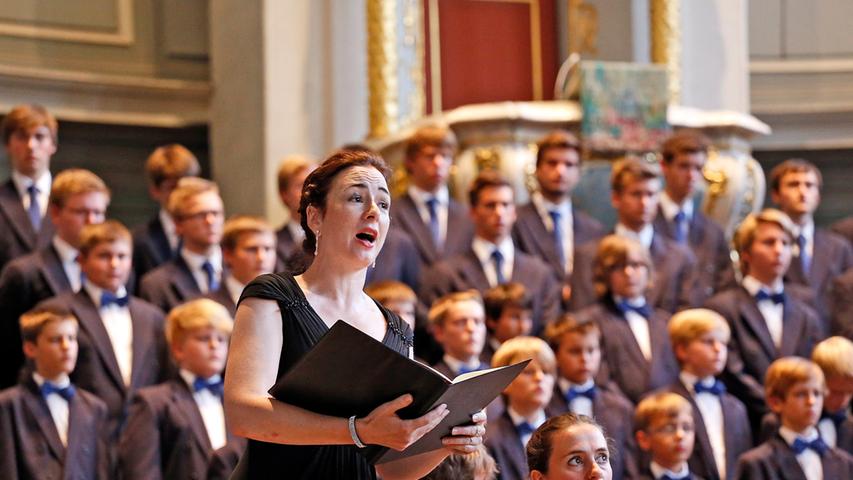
(440, 307)
(612, 253)
(241, 224)
(835, 357)
(171, 162)
(745, 234)
(786, 372)
(187, 188)
(521, 348)
(33, 322)
(107, 232)
(568, 323)
(75, 181)
(631, 170)
(689, 325)
(385, 291)
(663, 404)
(200, 313)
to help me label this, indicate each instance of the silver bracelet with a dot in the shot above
(353, 434)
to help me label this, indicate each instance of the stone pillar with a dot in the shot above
(289, 76)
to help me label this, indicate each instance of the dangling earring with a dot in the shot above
(373, 265)
(316, 242)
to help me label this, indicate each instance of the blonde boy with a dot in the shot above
(577, 347)
(666, 432)
(834, 356)
(72, 421)
(248, 250)
(794, 388)
(526, 398)
(458, 323)
(173, 428)
(397, 297)
(699, 339)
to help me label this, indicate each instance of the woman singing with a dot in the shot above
(344, 207)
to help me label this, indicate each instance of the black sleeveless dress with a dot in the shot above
(302, 328)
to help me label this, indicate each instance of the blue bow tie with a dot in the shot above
(65, 392)
(524, 428)
(215, 386)
(466, 369)
(837, 417)
(776, 298)
(108, 299)
(645, 310)
(717, 388)
(574, 393)
(818, 445)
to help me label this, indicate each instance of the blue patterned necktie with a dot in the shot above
(805, 261)
(818, 445)
(65, 392)
(498, 259)
(524, 428)
(34, 212)
(212, 281)
(574, 393)
(680, 227)
(432, 205)
(717, 388)
(643, 309)
(558, 236)
(776, 298)
(215, 386)
(108, 298)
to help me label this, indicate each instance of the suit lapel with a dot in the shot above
(38, 408)
(13, 209)
(789, 467)
(458, 238)
(91, 321)
(186, 403)
(540, 235)
(702, 439)
(160, 241)
(140, 342)
(54, 274)
(792, 329)
(818, 271)
(79, 421)
(755, 321)
(633, 348)
(657, 251)
(409, 217)
(472, 272)
(184, 282)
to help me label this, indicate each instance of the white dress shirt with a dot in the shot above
(195, 262)
(809, 460)
(534, 420)
(580, 405)
(807, 231)
(639, 325)
(658, 471)
(119, 326)
(235, 288)
(212, 413)
(169, 229)
(22, 184)
(544, 207)
(670, 208)
(828, 432)
(772, 312)
(483, 250)
(68, 258)
(711, 410)
(456, 365)
(57, 405)
(420, 198)
(644, 236)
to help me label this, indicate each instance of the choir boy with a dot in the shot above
(508, 315)
(248, 250)
(665, 431)
(458, 323)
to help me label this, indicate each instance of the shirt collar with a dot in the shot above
(544, 206)
(644, 236)
(296, 231)
(23, 182)
(565, 385)
(195, 261)
(690, 380)
(537, 419)
(190, 377)
(95, 292)
(670, 208)
(66, 252)
(807, 230)
(484, 248)
(789, 435)
(63, 381)
(421, 196)
(456, 365)
(658, 471)
(752, 285)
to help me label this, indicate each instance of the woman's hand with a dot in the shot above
(383, 427)
(465, 438)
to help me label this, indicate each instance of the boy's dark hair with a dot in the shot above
(511, 294)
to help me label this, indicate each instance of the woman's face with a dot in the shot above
(577, 453)
(355, 222)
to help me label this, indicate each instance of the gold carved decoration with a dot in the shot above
(583, 27)
(487, 159)
(382, 63)
(717, 182)
(666, 42)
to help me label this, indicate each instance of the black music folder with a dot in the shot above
(349, 373)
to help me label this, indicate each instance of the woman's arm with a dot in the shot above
(252, 369)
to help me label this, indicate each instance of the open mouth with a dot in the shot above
(368, 236)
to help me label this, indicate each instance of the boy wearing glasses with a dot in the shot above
(197, 209)
(77, 198)
(666, 432)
